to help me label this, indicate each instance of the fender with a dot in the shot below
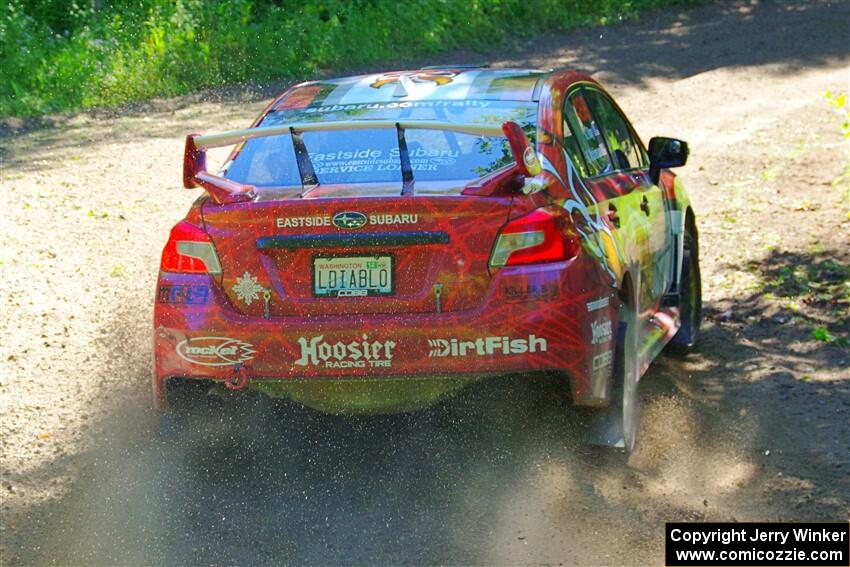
(678, 219)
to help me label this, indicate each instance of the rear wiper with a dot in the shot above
(305, 166)
(404, 158)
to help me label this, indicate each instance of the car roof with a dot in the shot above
(451, 82)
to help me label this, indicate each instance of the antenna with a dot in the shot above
(403, 86)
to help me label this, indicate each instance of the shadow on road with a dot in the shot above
(670, 45)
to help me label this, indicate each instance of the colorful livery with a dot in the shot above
(375, 243)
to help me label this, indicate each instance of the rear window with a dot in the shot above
(373, 155)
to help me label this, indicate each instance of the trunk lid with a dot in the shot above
(314, 256)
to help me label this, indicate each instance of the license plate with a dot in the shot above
(358, 276)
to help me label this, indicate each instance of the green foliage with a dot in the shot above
(822, 334)
(838, 101)
(66, 54)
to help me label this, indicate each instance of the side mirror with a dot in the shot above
(664, 153)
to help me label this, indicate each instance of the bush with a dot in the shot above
(68, 54)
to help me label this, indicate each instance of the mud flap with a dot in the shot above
(605, 425)
(606, 429)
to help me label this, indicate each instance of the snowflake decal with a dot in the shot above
(247, 289)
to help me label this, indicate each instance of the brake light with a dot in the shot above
(543, 235)
(190, 251)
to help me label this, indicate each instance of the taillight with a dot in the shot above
(543, 235)
(189, 251)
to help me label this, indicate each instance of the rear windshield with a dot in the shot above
(372, 155)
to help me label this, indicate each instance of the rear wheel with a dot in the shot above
(690, 297)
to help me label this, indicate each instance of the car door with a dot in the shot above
(633, 166)
(617, 190)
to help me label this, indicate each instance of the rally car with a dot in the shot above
(375, 243)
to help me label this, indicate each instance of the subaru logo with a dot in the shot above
(349, 219)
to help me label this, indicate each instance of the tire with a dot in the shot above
(690, 298)
(617, 425)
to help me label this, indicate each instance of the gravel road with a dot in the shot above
(754, 426)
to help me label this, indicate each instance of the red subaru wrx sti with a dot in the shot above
(374, 243)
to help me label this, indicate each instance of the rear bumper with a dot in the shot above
(544, 327)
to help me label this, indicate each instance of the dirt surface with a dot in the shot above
(753, 426)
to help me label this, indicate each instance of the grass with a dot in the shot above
(59, 55)
(811, 284)
(822, 280)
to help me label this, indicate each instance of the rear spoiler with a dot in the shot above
(224, 191)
